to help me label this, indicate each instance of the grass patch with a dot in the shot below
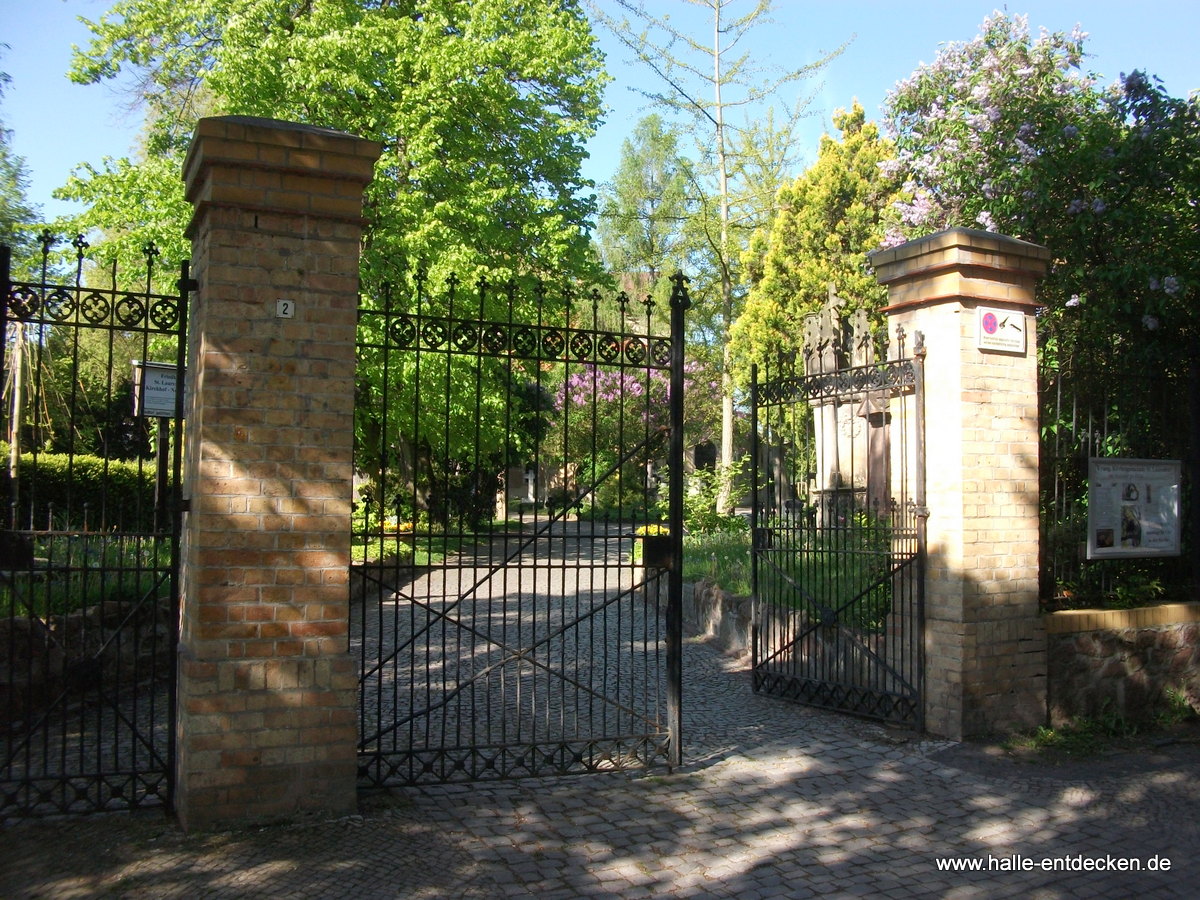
(423, 549)
(73, 571)
(722, 557)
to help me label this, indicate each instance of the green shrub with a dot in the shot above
(78, 492)
(701, 495)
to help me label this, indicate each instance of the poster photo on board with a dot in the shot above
(1133, 508)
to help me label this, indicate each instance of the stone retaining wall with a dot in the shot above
(1104, 662)
(720, 617)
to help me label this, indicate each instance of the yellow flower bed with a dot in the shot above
(646, 530)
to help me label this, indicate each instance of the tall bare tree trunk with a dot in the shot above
(723, 500)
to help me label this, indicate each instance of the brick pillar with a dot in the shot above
(985, 646)
(266, 722)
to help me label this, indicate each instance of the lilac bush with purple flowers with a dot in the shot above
(1008, 133)
(602, 414)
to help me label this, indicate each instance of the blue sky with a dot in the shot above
(57, 124)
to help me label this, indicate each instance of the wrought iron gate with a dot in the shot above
(88, 576)
(517, 607)
(839, 525)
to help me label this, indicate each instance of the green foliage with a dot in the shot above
(703, 490)
(1174, 709)
(85, 393)
(1088, 736)
(132, 204)
(829, 219)
(84, 492)
(87, 569)
(1083, 738)
(705, 79)
(644, 211)
(482, 109)
(843, 573)
(1007, 133)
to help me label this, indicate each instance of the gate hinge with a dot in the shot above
(921, 512)
(188, 285)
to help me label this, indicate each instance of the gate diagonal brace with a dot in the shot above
(108, 701)
(650, 441)
(18, 746)
(791, 645)
(513, 655)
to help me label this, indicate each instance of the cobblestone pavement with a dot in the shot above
(776, 801)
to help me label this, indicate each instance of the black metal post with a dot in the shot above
(674, 620)
(162, 495)
(186, 286)
(754, 514)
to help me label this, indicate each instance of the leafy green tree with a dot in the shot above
(644, 210)
(482, 109)
(1006, 133)
(829, 219)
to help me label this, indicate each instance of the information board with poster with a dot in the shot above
(1133, 508)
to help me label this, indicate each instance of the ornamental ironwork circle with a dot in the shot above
(553, 344)
(59, 305)
(130, 311)
(164, 314)
(23, 302)
(660, 352)
(434, 334)
(465, 337)
(635, 351)
(524, 341)
(495, 340)
(95, 308)
(608, 348)
(403, 331)
(581, 345)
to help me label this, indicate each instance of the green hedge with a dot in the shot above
(71, 492)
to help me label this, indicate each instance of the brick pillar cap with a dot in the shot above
(233, 143)
(961, 263)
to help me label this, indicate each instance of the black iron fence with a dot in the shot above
(1087, 413)
(91, 426)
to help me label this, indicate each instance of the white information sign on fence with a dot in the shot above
(154, 387)
(1133, 508)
